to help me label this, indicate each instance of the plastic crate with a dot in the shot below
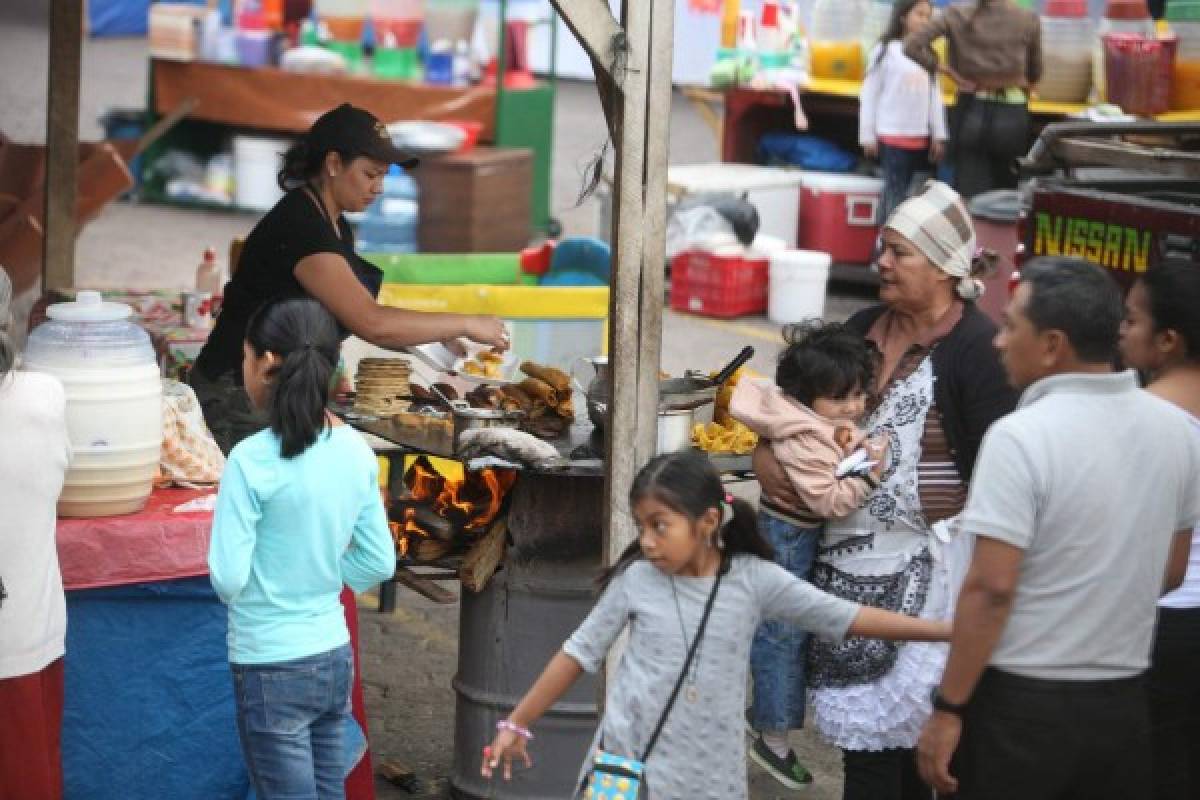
(719, 285)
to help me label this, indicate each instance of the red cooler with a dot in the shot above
(838, 215)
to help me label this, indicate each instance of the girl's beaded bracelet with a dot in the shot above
(509, 725)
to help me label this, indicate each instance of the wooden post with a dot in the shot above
(62, 142)
(624, 426)
(657, 135)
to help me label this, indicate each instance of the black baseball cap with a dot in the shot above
(358, 132)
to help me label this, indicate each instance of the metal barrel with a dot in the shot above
(511, 629)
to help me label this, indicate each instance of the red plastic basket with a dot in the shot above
(719, 285)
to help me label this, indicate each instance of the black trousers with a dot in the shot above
(883, 775)
(986, 138)
(1174, 688)
(1054, 740)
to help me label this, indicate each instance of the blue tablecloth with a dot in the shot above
(149, 709)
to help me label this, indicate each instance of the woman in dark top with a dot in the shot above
(941, 385)
(305, 246)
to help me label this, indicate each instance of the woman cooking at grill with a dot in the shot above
(305, 246)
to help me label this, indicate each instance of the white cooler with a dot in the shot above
(774, 192)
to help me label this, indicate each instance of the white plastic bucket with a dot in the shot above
(256, 162)
(797, 285)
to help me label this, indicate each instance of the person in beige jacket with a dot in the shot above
(808, 418)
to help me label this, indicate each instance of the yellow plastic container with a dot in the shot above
(838, 60)
(552, 325)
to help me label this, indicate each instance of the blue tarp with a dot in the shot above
(149, 698)
(124, 17)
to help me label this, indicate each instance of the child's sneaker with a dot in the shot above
(788, 771)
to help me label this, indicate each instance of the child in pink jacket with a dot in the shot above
(808, 417)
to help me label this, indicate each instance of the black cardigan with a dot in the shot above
(970, 388)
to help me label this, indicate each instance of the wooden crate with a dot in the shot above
(475, 202)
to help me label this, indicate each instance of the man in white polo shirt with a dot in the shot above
(1082, 506)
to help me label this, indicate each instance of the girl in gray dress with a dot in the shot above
(689, 531)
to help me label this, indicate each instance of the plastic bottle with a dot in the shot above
(1120, 16)
(1184, 19)
(1067, 37)
(209, 275)
(729, 24)
(389, 225)
(462, 63)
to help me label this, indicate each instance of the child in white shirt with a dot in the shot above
(901, 119)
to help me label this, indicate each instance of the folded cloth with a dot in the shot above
(509, 444)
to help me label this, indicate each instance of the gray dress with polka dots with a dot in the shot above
(701, 752)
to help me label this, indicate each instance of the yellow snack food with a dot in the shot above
(734, 438)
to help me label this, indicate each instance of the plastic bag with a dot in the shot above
(190, 455)
(691, 227)
(739, 213)
(804, 151)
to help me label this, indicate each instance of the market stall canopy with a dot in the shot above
(272, 99)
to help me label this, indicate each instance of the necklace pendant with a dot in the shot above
(691, 694)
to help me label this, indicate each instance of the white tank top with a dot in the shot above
(1188, 594)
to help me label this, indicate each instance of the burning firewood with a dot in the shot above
(484, 557)
(420, 519)
(426, 550)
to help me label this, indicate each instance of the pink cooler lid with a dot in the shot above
(1127, 9)
(1066, 8)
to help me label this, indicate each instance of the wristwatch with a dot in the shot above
(942, 704)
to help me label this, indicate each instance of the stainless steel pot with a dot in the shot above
(469, 419)
(674, 430)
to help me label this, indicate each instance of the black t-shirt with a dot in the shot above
(291, 231)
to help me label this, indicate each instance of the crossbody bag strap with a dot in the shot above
(712, 596)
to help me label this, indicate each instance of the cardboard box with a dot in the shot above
(475, 202)
(176, 31)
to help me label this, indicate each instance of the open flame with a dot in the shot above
(468, 506)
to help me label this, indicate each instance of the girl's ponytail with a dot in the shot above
(739, 534)
(298, 399)
(304, 336)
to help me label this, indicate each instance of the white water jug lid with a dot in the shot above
(89, 306)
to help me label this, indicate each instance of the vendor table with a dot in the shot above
(149, 703)
(832, 110)
(275, 101)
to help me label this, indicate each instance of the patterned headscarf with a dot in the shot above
(937, 223)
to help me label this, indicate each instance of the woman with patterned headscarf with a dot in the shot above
(941, 385)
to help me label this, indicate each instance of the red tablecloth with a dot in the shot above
(159, 544)
(156, 544)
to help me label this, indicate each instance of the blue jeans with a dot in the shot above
(291, 718)
(779, 651)
(900, 168)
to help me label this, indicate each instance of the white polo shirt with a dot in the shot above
(1090, 476)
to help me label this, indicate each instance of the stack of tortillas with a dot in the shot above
(381, 386)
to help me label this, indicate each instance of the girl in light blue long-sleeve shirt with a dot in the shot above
(298, 516)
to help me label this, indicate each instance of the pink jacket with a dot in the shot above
(803, 443)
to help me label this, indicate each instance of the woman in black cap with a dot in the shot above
(305, 245)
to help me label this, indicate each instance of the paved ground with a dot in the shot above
(409, 656)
